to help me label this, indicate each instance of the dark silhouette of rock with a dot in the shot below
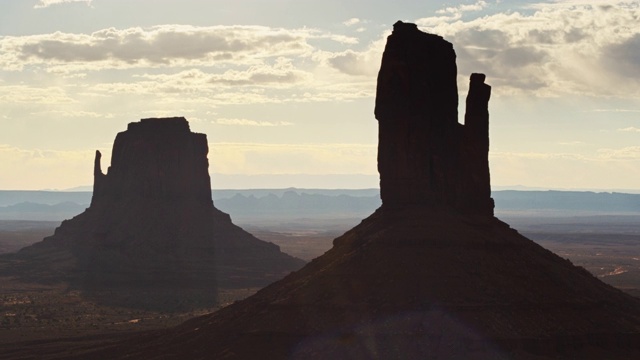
(155, 160)
(424, 155)
(152, 229)
(435, 277)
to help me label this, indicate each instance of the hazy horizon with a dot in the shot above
(338, 185)
(285, 90)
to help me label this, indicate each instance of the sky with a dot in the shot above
(284, 89)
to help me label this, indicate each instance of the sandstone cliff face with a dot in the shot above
(424, 155)
(152, 229)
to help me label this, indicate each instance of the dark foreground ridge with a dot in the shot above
(152, 237)
(431, 274)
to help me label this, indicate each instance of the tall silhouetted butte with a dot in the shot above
(424, 155)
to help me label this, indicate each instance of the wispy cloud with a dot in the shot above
(282, 72)
(571, 143)
(477, 6)
(625, 153)
(74, 114)
(356, 63)
(46, 3)
(247, 122)
(570, 3)
(582, 48)
(615, 110)
(159, 45)
(451, 13)
(351, 22)
(630, 129)
(201, 61)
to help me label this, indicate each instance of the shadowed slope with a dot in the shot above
(416, 283)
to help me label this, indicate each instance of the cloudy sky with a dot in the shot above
(284, 89)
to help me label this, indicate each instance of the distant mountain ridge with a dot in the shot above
(49, 197)
(291, 203)
(43, 212)
(581, 201)
(294, 202)
(12, 197)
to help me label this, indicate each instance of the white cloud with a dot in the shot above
(626, 153)
(451, 14)
(282, 72)
(342, 39)
(247, 122)
(477, 6)
(624, 57)
(553, 51)
(157, 46)
(572, 3)
(630, 129)
(356, 63)
(74, 114)
(46, 3)
(436, 20)
(277, 82)
(557, 49)
(614, 110)
(351, 22)
(260, 64)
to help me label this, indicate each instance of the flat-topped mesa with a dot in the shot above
(424, 155)
(152, 237)
(155, 159)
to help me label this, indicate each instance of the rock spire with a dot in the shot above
(424, 155)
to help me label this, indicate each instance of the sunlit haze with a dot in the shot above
(284, 89)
